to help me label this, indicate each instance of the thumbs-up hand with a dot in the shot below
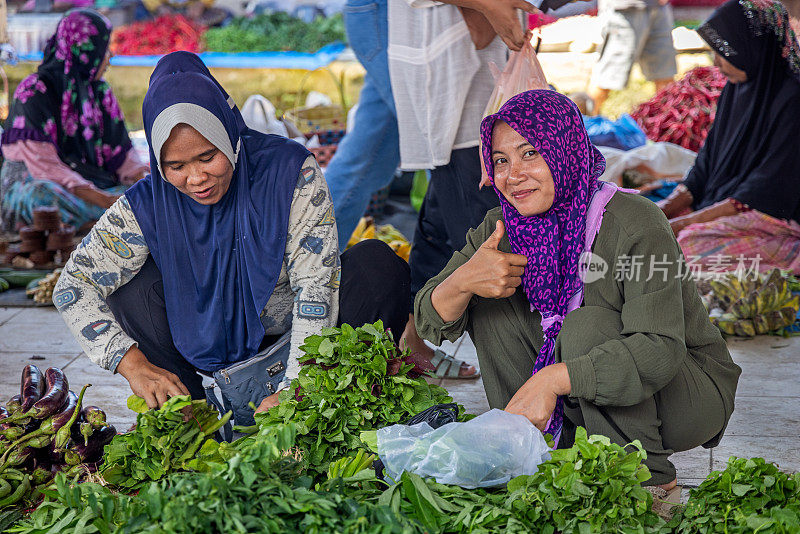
(491, 273)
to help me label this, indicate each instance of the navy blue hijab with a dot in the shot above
(219, 263)
(188, 62)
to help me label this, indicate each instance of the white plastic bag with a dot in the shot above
(259, 114)
(487, 451)
(662, 160)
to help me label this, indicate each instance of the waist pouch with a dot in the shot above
(249, 381)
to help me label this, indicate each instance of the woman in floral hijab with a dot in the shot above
(65, 143)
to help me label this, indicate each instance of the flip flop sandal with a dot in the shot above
(448, 367)
(664, 502)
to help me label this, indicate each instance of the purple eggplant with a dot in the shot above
(11, 432)
(85, 430)
(32, 386)
(13, 405)
(19, 457)
(94, 450)
(54, 397)
(3, 413)
(67, 418)
(94, 416)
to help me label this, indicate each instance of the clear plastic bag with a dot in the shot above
(485, 452)
(522, 73)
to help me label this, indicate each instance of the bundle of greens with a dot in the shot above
(276, 31)
(258, 489)
(594, 486)
(437, 507)
(352, 380)
(750, 495)
(175, 437)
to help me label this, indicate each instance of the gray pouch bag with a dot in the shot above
(250, 381)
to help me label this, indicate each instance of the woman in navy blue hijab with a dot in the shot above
(227, 253)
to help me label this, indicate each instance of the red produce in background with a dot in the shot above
(682, 113)
(165, 34)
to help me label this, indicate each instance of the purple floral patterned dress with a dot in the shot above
(62, 103)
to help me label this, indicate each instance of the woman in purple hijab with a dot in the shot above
(576, 298)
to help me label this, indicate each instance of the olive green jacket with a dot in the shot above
(663, 319)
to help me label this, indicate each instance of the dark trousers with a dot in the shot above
(452, 205)
(375, 285)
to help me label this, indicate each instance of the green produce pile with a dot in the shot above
(750, 495)
(298, 473)
(360, 381)
(276, 31)
(174, 438)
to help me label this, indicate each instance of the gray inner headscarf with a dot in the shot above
(199, 118)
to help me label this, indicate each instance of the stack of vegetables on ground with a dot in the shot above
(750, 495)
(276, 31)
(304, 468)
(751, 305)
(682, 112)
(45, 430)
(162, 35)
(18, 278)
(352, 379)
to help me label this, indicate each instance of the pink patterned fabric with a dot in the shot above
(762, 242)
(43, 163)
(552, 241)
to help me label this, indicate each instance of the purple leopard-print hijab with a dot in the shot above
(552, 241)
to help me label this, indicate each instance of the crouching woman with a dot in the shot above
(626, 353)
(222, 261)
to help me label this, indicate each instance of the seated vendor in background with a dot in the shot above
(227, 251)
(629, 357)
(742, 197)
(65, 142)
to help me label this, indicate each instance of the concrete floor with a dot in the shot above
(766, 421)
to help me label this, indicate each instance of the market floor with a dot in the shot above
(766, 421)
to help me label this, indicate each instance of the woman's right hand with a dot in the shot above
(154, 384)
(490, 273)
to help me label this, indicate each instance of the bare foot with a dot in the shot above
(411, 340)
(669, 485)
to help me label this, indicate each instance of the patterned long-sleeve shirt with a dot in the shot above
(305, 298)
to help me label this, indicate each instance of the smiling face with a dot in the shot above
(520, 172)
(194, 166)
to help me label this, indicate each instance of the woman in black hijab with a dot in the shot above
(743, 193)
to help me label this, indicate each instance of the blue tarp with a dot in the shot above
(242, 60)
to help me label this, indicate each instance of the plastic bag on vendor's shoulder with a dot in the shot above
(487, 451)
(522, 72)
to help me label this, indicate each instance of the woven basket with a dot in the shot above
(327, 122)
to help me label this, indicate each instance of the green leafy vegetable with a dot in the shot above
(163, 441)
(594, 486)
(275, 31)
(750, 495)
(353, 380)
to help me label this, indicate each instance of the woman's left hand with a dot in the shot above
(536, 399)
(268, 402)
